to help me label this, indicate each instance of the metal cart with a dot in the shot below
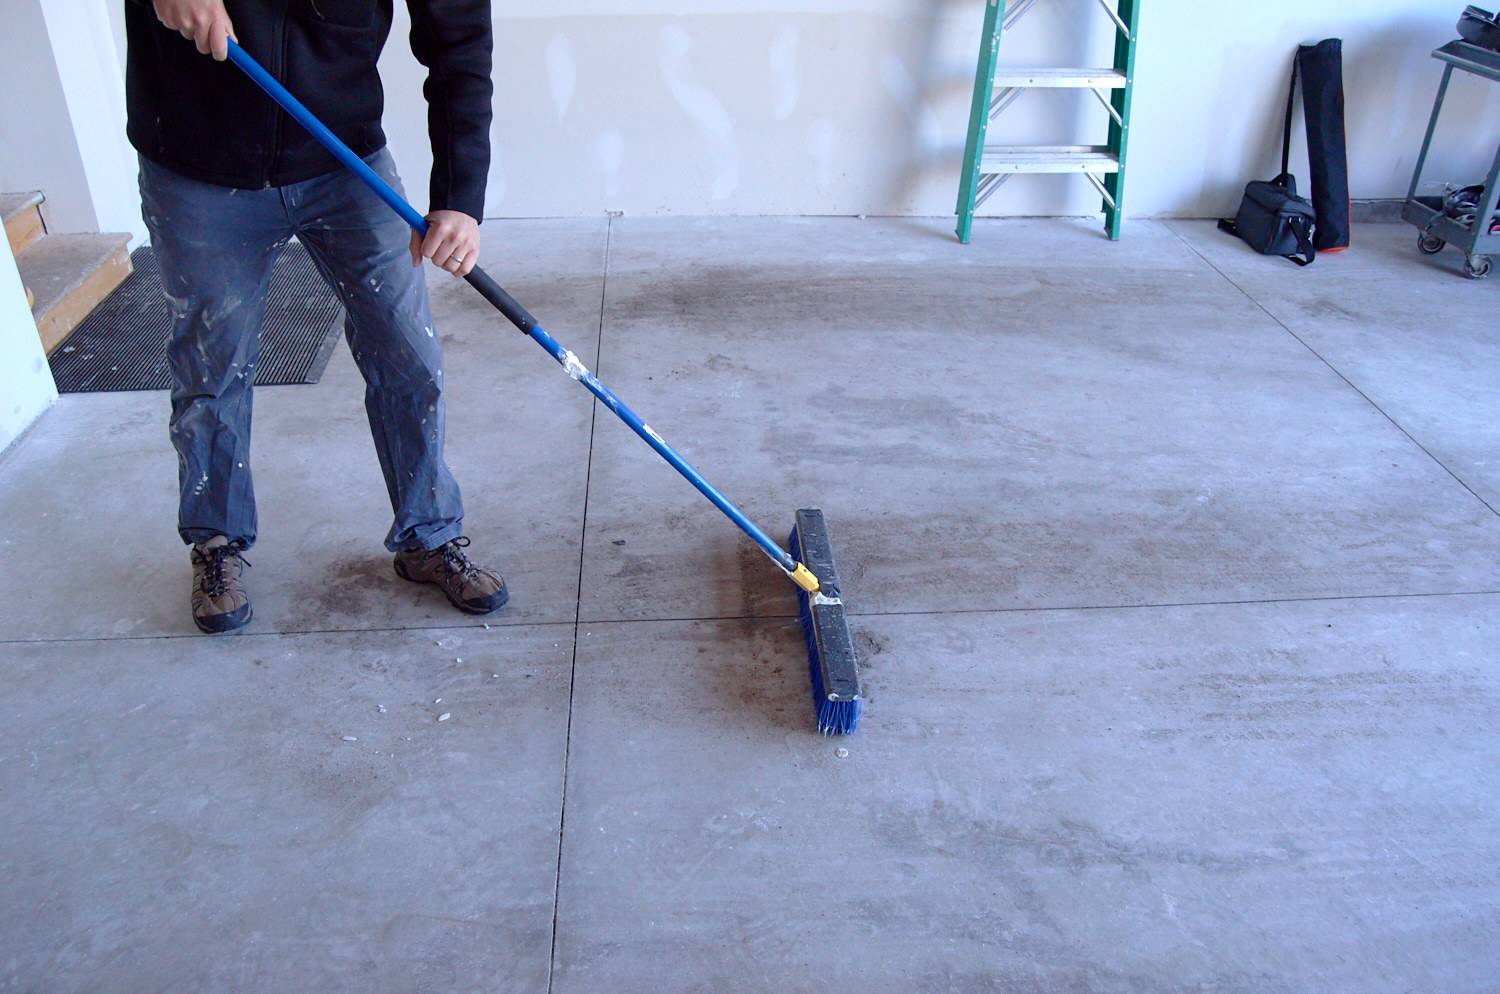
(1435, 228)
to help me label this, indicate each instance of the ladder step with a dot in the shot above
(987, 167)
(1059, 77)
(1048, 159)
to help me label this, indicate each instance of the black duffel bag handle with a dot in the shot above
(1286, 125)
(1272, 218)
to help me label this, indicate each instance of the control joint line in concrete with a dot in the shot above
(1350, 383)
(562, 810)
(787, 618)
(286, 633)
(1166, 605)
(1018, 609)
(1043, 608)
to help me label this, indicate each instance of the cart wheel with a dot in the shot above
(1477, 267)
(1430, 244)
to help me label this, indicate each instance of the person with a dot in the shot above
(227, 179)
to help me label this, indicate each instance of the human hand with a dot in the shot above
(452, 242)
(202, 22)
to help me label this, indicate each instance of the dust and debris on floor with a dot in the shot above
(1174, 571)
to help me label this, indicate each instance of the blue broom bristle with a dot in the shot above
(835, 717)
(839, 717)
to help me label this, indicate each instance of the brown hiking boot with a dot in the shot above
(220, 603)
(470, 588)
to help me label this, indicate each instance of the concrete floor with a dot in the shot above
(1176, 574)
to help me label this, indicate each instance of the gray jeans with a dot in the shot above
(216, 247)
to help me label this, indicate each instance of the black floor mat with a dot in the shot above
(122, 345)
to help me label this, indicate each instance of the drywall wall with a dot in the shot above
(83, 42)
(38, 149)
(26, 387)
(860, 106)
(1213, 87)
(62, 116)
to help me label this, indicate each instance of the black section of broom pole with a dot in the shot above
(504, 302)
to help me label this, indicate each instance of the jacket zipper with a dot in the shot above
(278, 35)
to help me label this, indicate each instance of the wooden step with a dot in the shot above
(22, 214)
(70, 275)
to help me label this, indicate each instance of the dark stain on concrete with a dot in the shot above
(348, 588)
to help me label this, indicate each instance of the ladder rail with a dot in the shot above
(986, 168)
(1119, 127)
(979, 115)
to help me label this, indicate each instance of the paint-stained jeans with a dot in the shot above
(216, 247)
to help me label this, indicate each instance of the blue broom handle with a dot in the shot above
(326, 138)
(518, 315)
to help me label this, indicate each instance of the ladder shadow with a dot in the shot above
(939, 82)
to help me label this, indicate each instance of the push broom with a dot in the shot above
(809, 564)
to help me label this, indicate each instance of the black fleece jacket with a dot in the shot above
(206, 120)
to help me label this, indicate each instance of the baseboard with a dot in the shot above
(1383, 211)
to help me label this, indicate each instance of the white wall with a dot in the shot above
(26, 388)
(860, 106)
(38, 149)
(62, 115)
(811, 107)
(1208, 118)
(83, 38)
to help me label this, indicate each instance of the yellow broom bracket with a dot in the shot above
(804, 578)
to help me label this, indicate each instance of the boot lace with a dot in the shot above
(455, 562)
(216, 567)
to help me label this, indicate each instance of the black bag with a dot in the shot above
(1272, 219)
(1322, 69)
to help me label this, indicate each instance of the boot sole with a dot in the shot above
(500, 599)
(218, 624)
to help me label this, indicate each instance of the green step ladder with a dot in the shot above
(987, 167)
